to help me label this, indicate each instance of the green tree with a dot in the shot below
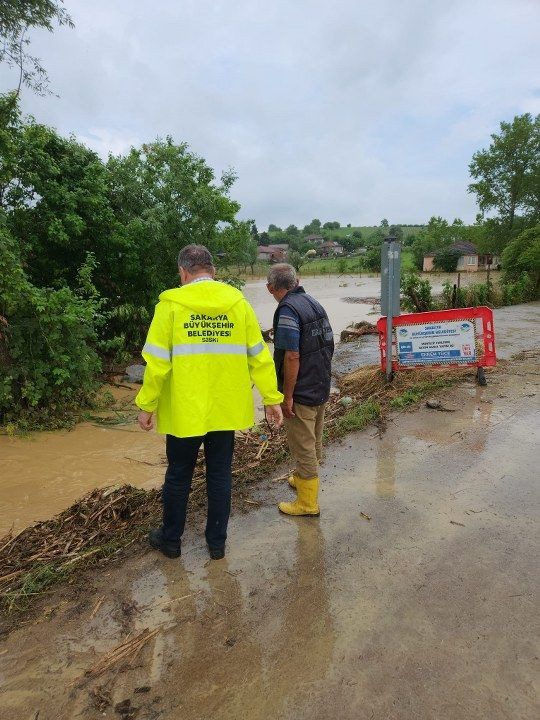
(17, 17)
(48, 341)
(56, 197)
(446, 260)
(416, 293)
(507, 177)
(522, 256)
(295, 259)
(436, 236)
(163, 197)
(372, 259)
(291, 231)
(384, 223)
(396, 231)
(274, 228)
(313, 227)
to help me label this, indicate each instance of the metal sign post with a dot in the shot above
(390, 275)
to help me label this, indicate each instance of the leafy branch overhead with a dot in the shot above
(17, 19)
(86, 247)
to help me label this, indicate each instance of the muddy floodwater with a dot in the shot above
(340, 295)
(44, 473)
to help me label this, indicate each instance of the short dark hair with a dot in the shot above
(194, 258)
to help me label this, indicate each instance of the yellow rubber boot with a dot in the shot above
(292, 480)
(306, 503)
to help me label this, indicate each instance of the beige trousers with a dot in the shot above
(304, 434)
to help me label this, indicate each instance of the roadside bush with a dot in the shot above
(373, 259)
(471, 296)
(416, 293)
(447, 296)
(48, 356)
(446, 260)
(521, 265)
(519, 291)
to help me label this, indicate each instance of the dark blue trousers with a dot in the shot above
(182, 456)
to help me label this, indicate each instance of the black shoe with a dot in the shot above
(156, 540)
(216, 553)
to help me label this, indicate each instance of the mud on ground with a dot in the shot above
(413, 595)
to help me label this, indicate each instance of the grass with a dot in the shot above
(43, 575)
(416, 393)
(357, 418)
(33, 583)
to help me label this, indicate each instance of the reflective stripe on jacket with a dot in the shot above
(203, 351)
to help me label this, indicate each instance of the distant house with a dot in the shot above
(469, 259)
(314, 239)
(330, 248)
(271, 253)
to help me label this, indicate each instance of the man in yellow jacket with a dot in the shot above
(203, 352)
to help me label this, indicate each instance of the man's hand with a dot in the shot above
(274, 416)
(287, 407)
(146, 420)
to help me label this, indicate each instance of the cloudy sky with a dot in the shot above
(346, 109)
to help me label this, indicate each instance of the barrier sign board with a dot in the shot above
(433, 343)
(463, 336)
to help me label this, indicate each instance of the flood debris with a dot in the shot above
(128, 649)
(126, 709)
(356, 330)
(100, 698)
(363, 300)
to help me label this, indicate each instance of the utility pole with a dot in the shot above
(390, 276)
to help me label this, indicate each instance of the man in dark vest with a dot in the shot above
(303, 349)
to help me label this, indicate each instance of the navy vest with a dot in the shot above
(316, 349)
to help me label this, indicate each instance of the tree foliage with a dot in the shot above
(446, 260)
(48, 343)
(507, 178)
(522, 257)
(17, 18)
(85, 249)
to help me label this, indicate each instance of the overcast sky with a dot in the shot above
(344, 110)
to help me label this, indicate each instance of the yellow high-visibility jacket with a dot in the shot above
(203, 351)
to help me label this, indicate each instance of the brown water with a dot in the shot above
(334, 290)
(43, 474)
